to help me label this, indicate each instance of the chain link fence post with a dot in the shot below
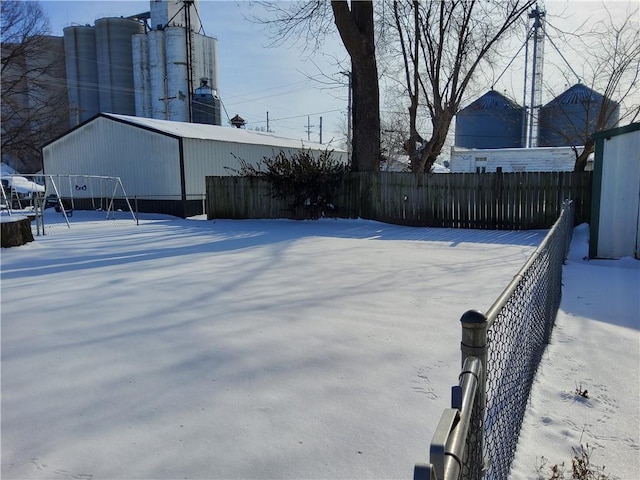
(474, 344)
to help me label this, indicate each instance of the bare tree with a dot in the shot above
(608, 54)
(442, 45)
(309, 22)
(34, 99)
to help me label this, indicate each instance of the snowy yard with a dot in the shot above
(253, 349)
(595, 347)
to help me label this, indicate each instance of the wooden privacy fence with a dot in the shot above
(505, 201)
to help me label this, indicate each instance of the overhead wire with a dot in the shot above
(237, 99)
(240, 99)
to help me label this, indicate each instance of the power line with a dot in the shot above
(299, 116)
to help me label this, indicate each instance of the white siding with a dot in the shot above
(216, 158)
(146, 162)
(543, 159)
(619, 217)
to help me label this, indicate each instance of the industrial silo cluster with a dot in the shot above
(494, 121)
(131, 67)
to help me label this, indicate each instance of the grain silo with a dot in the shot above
(177, 73)
(141, 74)
(205, 59)
(82, 73)
(118, 67)
(491, 121)
(206, 105)
(46, 76)
(157, 74)
(172, 13)
(572, 116)
(115, 65)
(162, 73)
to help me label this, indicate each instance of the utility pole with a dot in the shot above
(268, 122)
(189, 52)
(309, 127)
(320, 129)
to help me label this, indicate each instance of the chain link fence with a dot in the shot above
(477, 437)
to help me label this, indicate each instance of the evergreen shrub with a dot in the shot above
(305, 181)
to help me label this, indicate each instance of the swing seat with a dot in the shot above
(66, 204)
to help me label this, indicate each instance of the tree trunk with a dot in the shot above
(366, 117)
(356, 29)
(16, 232)
(582, 157)
(433, 147)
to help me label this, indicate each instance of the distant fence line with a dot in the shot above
(506, 201)
(501, 349)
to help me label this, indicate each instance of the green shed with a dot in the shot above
(615, 210)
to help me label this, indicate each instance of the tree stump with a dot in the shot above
(15, 231)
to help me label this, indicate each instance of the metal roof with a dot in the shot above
(216, 133)
(614, 132)
(578, 93)
(491, 100)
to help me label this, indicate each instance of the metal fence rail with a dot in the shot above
(508, 342)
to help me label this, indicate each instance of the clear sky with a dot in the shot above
(255, 79)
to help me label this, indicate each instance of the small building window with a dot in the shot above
(481, 164)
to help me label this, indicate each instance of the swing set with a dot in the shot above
(65, 193)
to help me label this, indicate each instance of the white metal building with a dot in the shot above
(539, 159)
(615, 210)
(162, 163)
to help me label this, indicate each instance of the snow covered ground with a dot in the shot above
(595, 347)
(281, 349)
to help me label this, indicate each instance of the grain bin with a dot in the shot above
(572, 116)
(206, 105)
(491, 121)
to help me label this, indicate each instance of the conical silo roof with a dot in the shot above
(576, 94)
(492, 100)
(573, 115)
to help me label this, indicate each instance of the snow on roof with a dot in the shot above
(217, 133)
(22, 184)
(437, 168)
(401, 163)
